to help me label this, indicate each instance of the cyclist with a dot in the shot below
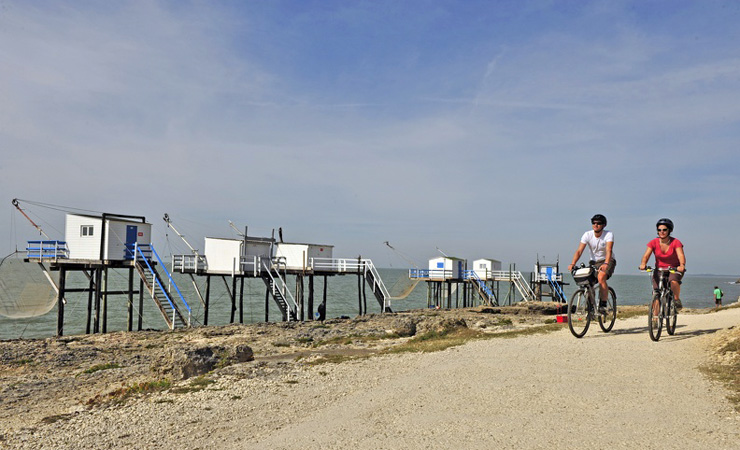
(600, 243)
(668, 253)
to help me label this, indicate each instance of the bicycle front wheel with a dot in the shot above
(671, 315)
(655, 318)
(606, 320)
(579, 317)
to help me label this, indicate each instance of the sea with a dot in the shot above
(342, 298)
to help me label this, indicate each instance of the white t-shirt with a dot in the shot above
(597, 245)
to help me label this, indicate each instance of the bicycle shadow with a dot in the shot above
(678, 336)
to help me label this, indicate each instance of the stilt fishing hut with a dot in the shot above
(95, 244)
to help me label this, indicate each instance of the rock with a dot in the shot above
(403, 326)
(183, 363)
(441, 325)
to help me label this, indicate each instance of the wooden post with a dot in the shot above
(130, 326)
(91, 286)
(105, 300)
(60, 301)
(310, 297)
(208, 299)
(241, 301)
(98, 282)
(267, 304)
(139, 325)
(233, 298)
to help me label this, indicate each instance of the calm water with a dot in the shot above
(342, 299)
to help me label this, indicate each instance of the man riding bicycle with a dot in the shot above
(600, 243)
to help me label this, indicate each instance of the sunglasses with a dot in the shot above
(661, 230)
(597, 223)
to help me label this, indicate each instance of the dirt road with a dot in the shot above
(616, 390)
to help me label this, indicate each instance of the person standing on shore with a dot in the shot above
(601, 244)
(718, 294)
(668, 254)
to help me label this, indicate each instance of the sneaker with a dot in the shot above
(678, 304)
(602, 306)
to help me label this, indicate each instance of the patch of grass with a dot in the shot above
(99, 367)
(281, 344)
(56, 418)
(729, 375)
(304, 340)
(541, 329)
(435, 341)
(22, 362)
(196, 384)
(354, 338)
(333, 359)
(291, 381)
(124, 393)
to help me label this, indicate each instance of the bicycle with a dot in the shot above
(662, 306)
(582, 305)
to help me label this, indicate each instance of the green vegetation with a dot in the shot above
(99, 367)
(196, 384)
(122, 394)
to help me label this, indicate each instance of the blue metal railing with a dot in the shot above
(47, 250)
(472, 275)
(555, 286)
(146, 251)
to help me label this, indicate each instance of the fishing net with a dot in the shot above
(24, 289)
(402, 288)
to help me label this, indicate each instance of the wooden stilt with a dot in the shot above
(208, 299)
(91, 286)
(241, 300)
(310, 298)
(130, 322)
(105, 300)
(60, 302)
(139, 325)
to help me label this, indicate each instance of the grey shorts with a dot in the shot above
(609, 269)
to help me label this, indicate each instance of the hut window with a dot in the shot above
(86, 230)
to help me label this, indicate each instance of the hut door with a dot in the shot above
(131, 233)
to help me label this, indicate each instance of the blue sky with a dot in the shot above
(487, 129)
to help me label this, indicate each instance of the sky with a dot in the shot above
(475, 129)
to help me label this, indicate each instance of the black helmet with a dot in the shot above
(599, 218)
(666, 222)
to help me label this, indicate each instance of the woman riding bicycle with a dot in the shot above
(668, 254)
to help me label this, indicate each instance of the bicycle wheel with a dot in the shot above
(606, 321)
(655, 317)
(578, 315)
(671, 314)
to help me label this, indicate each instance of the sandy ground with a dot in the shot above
(615, 390)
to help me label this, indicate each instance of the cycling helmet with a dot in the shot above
(666, 222)
(599, 218)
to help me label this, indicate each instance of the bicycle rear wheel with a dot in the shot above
(606, 321)
(655, 317)
(671, 314)
(578, 313)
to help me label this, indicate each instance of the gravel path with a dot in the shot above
(616, 390)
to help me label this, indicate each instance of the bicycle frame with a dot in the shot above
(666, 308)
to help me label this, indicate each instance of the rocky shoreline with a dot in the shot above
(44, 381)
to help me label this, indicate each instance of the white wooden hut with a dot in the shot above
(446, 268)
(484, 266)
(229, 255)
(84, 234)
(297, 256)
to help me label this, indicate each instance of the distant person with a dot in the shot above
(668, 253)
(601, 244)
(718, 294)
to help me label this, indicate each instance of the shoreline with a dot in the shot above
(49, 382)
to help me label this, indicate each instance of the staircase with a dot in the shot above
(557, 291)
(484, 291)
(372, 277)
(155, 286)
(280, 292)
